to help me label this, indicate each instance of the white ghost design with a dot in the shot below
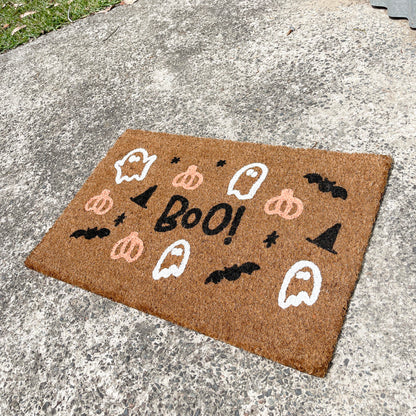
(296, 271)
(134, 156)
(178, 248)
(251, 171)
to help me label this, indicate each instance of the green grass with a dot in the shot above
(50, 15)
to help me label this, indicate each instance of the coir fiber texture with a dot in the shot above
(258, 246)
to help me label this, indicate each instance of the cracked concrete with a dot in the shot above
(343, 80)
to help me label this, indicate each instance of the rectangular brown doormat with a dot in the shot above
(258, 246)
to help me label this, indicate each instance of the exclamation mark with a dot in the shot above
(235, 224)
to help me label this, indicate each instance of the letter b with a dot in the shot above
(168, 222)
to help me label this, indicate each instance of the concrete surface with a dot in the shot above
(343, 80)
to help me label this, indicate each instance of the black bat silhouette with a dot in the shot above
(326, 185)
(90, 233)
(232, 273)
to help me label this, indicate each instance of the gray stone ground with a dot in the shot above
(345, 79)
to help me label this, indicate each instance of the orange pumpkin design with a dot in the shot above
(190, 179)
(125, 248)
(275, 205)
(100, 204)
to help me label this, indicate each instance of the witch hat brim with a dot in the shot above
(142, 199)
(327, 239)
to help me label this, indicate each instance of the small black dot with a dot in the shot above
(221, 163)
(175, 160)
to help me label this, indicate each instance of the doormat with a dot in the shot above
(258, 246)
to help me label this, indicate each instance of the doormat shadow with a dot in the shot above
(258, 246)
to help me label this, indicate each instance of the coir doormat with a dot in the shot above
(258, 246)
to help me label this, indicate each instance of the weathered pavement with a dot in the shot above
(345, 80)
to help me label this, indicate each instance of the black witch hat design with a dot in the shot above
(144, 197)
(327, 239)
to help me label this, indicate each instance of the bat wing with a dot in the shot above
(313, 178)
(215, 277)
(78, 233)
(339, 192)
(103, 232)
(249, 267)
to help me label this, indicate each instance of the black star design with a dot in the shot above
(175, 160)
(271, 239)
(221, 163)
(119, 220)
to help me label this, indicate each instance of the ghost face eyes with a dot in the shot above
(297, 271)
(255, 171)
(133, 158)
(251, 173)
